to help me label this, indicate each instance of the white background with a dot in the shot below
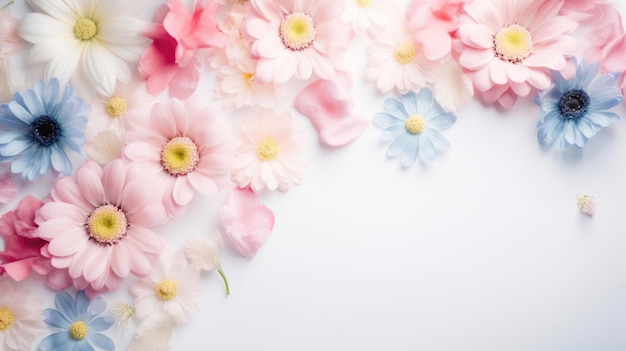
(485, 249)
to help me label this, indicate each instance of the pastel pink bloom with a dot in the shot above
(187, 147)
(97, 224)
(435, 21)
(271, 152)
(22, 248)
(508, 47)
(395, 59)
(329, 105)
(8, 188)
(297, 38)
(247, 223)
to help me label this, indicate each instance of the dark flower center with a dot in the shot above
(574, 103)
(45, 130)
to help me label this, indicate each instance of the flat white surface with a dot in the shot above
(485, 249)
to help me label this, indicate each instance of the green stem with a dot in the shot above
(221, 272)
(7, 5)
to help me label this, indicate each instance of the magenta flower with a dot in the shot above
(297, 38)
(22, 253)
(187, 147)
(97, 224)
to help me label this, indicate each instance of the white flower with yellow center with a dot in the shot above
(86, 43)
(367, 14)
(20, 318)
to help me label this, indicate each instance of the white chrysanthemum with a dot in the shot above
(21, 319)
(86, 42)
(171, 289)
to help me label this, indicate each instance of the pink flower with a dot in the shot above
(297, 38)
(368, 14)
(434, 22)
(584, 10)
(187, 147)
(22, 253)
(396, 61)
(329, 104)
(271, 151)
(8, 188)
(170, 60)
(97, 224)
(247, 223)
(509, 47)
(10, 45)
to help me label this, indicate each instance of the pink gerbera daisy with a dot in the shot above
(297, 38)
(510, 46)
(187, 147)
(271, 151)
(97, 225)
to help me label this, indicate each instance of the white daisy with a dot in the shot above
(237, 86)
(172, 289)
(86, 42)
(21, 319)
(365, 14)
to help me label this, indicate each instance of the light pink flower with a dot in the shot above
(97, 224)
(22, 309)
(172, 289)
(366, 14)
(509, 47)
(329, 105)
(187, 147)
(396, 61)
(22, 252)
(8, 188)
(297, 38)
(434, 22)
(10, 44)
(271, 152)
(247, 223)
(584, 10)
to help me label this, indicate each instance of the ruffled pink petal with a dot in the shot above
(613, 55)
(120, 262)
(247, 223)
(185, 81)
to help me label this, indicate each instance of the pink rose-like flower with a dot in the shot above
(187, 147)
(22, 253)
(329, 104)
(247, 223)
(297, 38)
(509, 47)
(97, 224)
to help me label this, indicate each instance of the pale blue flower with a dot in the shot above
(412, 124)
(573, 111)
(38, 126)
(78, 323)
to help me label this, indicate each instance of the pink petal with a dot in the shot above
(113, 180)
(247, 223)
(183, 192)
(68, 243)
(8, 189)
(120, 262)
(146, 240)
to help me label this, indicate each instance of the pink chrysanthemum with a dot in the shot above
(97, 225)
(509, 46)
(271, 151)
(396, 60)
(297, 38)
(187, 147)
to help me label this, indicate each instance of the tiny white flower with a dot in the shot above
(587, 204)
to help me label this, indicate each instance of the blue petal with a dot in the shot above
(397, 146)
(605, 103)
(19, 112)
(569, 133)
(16, 147)
(384, 120)
(427, 150)
(410, 152)
(33, 102)
(60, 341)
(442, 122)
(394, 107)
(65, 305)
(98, 305)
(409, 101)
(9, 135)
(101, 323)
(101, 341)
(83, 345)
(59, 160)
(81, 306)
(392, 133)
(602, 118)
(439, 141)
(56, 319)
(424, 101)
(587, 127)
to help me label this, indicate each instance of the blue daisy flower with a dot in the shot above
(38, 126)
(573, 111)
(412, 124)
(78, 323)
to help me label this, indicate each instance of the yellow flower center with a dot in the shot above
(107, 224)
(249, 78)
(85, 29)
(267, 150)
(513, 43)
(180, 156)
(6, 318)
(415, 124)
(404, 53)
(363, 3)
(297, 31)
(116, 106)
(78, 330)
(167, 289)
